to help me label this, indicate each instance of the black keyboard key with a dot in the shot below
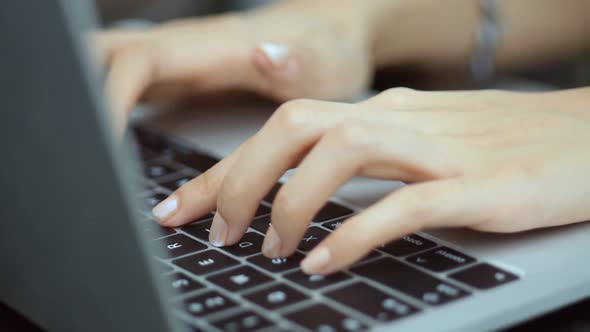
(331, 211)
(261, 224)
(320, 318)
(155, 199)
(372, 302)
(200, 230)
(277, 264)
(484, 276)
(410, 281)
(198, 161)
(205, 262)
(172, 185)
(156, 231)
(148, 185)
(407, 245)
(146, 154)
(316, 281)
(440, 259)
(371, 255)
(270, 197)
(207, 303)
(239, 279)
(157, 170)
(180, 283)
(276, 297)
(186, 155)
(149, 139)
(262, 210)
(313, 236)
(334, 224)
(250, 243)
(178, 245)
(243, 322)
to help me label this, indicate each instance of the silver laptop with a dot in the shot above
(80, 251)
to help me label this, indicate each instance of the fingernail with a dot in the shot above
(272, 243)
(165, 208)
(218, 233)
(276, 53)
(316, 261)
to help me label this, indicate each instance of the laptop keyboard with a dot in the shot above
(236, 288)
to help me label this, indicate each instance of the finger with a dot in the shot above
(404, 99)
(330, 164)
(109, 42)
(349, 149)
(443, 203)
(276, 148)
(279, 67)
(197, 197)
(290, 70)
(130, 74)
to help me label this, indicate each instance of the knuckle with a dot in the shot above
(203, 185)
(354, 136)
(232, 190)
(416, 205)
(284, 205)
(358, 235)
(293, 116)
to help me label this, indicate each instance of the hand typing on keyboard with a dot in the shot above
(492, 161)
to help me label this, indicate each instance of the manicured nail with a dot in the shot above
(272, 243)
(276, 53)
(316, 261)
(165, 208)
(218, 233)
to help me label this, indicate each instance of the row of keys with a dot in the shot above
(415, 249)
(437, 259)
(357, 296)
(321, 317)
(481, 276)
(408, 280)
(156, 146)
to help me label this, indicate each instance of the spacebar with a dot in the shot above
(410, 281)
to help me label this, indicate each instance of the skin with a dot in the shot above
(217, 53)
(488, 160)
(514, 162)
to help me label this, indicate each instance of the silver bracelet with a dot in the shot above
(488, 40)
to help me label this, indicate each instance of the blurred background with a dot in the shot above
(574, 73)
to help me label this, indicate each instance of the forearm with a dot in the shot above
(443, 33)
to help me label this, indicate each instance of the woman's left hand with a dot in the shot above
(492, 161)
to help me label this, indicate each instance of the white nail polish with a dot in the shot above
(316, 261)
(276, 53)
(166, 208)
(271, 246)
(219, 229)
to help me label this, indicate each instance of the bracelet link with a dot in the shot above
(488, 39)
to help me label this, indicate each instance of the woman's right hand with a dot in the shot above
(289, 50)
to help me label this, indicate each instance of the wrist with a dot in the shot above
(431, 33)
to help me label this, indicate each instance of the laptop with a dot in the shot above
(80, 251)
